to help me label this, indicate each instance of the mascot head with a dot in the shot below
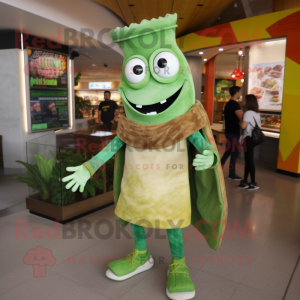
(157, 84)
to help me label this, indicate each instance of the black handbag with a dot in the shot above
(257, 135)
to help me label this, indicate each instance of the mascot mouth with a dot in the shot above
(156, 108)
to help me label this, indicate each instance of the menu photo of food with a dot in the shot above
(47, 69)
(266, 83)
(49, 109)
(36, 111)
(271, 122)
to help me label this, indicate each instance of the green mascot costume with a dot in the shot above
(167, 170)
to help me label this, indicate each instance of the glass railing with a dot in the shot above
(49, 156)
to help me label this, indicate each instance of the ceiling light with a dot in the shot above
(271, 42)
(240, 52)
(205, 59)
(201, 52)
(93, 65)
(221, 49)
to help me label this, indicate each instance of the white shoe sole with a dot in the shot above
(255, 189)
(145, 267)
(180, 296)
(237, 179)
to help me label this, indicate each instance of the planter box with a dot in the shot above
(68, 212)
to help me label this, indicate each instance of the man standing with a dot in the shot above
(108, 111)
(233, 116)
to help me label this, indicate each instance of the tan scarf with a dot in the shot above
(165, 134)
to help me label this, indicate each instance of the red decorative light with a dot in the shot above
(238, 72)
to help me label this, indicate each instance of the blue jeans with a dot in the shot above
(232, 149)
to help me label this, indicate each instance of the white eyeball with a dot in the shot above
(135, 70)
(165, 65)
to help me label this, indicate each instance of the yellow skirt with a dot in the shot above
(155, 190)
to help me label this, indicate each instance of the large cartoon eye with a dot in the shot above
(165, 65)
(135, 70)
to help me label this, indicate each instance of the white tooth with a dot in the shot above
(164, 101)
(139, 106)
(152, 113)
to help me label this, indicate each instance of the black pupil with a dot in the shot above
(137, 70)
(162, 62)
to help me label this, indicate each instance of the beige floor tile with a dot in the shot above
(213, 287)
(272, 270)
(53, 286)
(247, 293)
(294, 288)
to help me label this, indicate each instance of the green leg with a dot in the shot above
(176, 242)
(139, 237)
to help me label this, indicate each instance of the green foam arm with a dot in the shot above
(201, 144)
(104, 155)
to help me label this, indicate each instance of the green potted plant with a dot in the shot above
(45, 177)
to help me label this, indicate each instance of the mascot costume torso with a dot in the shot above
(167, 170)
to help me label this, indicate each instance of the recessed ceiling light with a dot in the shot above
(94, 65)
(201, 52)
(221, 49)
(205, 59)
(240, 52)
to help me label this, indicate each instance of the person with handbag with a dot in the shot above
(251, 137)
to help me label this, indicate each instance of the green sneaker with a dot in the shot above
(179, 284)
(133, 264)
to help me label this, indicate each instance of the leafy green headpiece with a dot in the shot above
(157, 85)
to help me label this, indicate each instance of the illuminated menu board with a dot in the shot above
(48, 88)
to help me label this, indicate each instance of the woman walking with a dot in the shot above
(250, 119)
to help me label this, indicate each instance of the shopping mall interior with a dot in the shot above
(178, 117)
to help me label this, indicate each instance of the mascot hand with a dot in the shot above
(79, 178)
(203, 161)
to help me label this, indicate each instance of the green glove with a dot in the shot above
(79, 178)
(204, 161)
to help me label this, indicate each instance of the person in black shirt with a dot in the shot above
(233, 116)
(108, 111)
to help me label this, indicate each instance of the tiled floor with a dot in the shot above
(11, 192)
(244, 268)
